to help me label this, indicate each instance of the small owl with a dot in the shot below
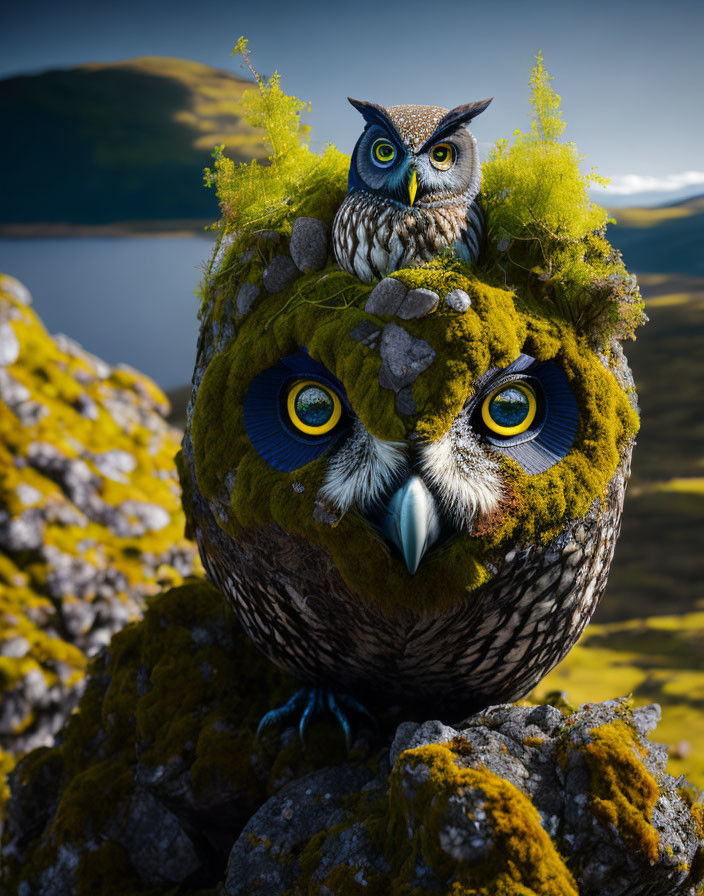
(413, 185)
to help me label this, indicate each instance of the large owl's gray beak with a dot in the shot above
(411, 521)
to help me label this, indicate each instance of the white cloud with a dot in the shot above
(627, 184)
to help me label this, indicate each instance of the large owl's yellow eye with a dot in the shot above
(510, 409)
(383, 152)
(442, 155)
(313, 408)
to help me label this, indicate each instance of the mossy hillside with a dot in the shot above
(491, 334)
(178, 697)
(121, 141)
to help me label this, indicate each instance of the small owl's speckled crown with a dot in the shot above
(415, 124)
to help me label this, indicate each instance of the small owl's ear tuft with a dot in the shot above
(465, 113)
(373, 114)
(455, 118)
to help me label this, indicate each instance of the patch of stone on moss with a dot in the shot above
(159, 781)
(90, 516)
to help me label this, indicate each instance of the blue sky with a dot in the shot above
(631, 74)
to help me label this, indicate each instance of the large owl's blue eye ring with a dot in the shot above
(313, 408)
(510, 409)
(383, 152)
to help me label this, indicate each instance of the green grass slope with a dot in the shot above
(666, 240)
(123, 141)
(659, 564)
(648, 634)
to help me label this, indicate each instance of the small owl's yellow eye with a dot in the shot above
(510, 409)
(383, 152)
(442, 155)
(313, 408)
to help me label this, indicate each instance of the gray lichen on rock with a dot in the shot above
(418, 303)
(458, 300)
(386, 297)
(90, 516)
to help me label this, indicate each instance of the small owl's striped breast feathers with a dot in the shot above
(373, 237)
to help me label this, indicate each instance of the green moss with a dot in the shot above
(521, 854)
(7, 763)
(624, 792)
(106, 871)
(521, 859)
(184, 685)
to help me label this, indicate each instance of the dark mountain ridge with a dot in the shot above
(124, 141)
(667, 239)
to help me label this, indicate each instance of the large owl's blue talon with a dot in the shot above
(274, 716)
(316, 701)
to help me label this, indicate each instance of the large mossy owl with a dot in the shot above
(411, 490)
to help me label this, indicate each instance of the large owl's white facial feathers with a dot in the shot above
(462, 476)
(362, 470)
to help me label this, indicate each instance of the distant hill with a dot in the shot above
(123, 141)
(663, 240)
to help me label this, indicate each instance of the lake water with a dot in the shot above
(127, 299)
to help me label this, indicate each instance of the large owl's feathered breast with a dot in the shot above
(413, 183)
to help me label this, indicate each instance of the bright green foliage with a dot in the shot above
(270, 108)
(251, 194)
(545, 235)
(547, 121)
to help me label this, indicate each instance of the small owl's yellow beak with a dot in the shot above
(413, 187)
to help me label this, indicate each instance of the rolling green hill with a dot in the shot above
(665, 240)
(659, 565)
(124, 141)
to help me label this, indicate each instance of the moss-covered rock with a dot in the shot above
(510, 804)
(159, 769)
(90, 519)
(158, 786)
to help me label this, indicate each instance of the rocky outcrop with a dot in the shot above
(90, 516)
(159, 782)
